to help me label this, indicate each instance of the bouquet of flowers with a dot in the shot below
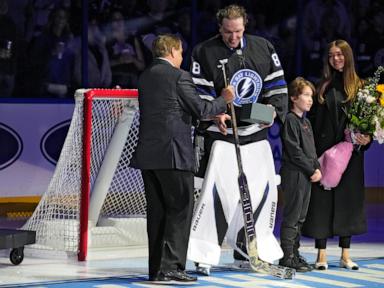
(366, 112)
(365, 115)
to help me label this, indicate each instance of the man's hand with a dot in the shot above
(316, 176)
(220, 122)
(228, 93)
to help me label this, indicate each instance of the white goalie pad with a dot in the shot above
(219, 209)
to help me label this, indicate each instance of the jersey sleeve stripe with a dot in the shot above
(280, 82)
(275, 92)
(207, 97)
(201, 81)
(274, 75)
(206, 91)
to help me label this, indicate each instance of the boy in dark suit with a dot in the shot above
(299, 168)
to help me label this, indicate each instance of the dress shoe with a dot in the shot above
(349, 264)
(160, 277)
(179, 276)
(321, 265)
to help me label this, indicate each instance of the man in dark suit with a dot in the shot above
(169, 104)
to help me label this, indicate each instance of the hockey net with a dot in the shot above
(94, 198)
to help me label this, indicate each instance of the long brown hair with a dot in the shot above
(351, 80)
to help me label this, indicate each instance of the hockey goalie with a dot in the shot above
(218, 214)
(239, 187)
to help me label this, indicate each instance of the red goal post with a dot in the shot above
(89, 98)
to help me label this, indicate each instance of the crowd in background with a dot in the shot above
(40, 40)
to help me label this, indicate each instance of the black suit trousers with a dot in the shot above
(169, 195)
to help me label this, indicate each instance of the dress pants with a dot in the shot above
(296, 188)
(169, 195)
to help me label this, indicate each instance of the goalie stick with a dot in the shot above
(256, 263)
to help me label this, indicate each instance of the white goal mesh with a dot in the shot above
(116, 190)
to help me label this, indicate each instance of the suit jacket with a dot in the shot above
(168, 102)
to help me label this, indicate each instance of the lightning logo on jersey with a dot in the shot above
(248, 85)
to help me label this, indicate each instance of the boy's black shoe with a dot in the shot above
(180, 276)
(302, 260)
(292, 262)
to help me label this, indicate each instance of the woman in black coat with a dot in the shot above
(339, 211)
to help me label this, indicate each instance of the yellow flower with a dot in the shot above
(380, 88)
